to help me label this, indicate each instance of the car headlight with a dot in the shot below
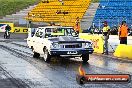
(88, 45)
(55, 45)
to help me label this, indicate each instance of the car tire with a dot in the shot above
(35, 55)
(85, 58)
(46, 56)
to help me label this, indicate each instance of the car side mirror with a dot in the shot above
(77, 34)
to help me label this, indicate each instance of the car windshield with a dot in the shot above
(54, 32)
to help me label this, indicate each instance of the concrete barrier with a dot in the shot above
(3, 26)
(123, 51)
(13, 29)
(113, 41)
(20, 30)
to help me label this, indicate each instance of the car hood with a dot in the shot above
(67, 39)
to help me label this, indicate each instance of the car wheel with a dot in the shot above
(35, 55)
(85, 58)
(46, 55)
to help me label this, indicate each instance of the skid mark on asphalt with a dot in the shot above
(9, 81)
(49, 70)
(56, 76)
(24, 70)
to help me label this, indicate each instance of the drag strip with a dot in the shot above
(17, 82)
(67, 74)
(93, 57)
(57, 69)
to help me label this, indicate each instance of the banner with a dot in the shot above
(123, 51)
(3, 25)
(96, 40)
(20, 30)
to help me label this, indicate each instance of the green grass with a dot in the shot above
(94, 1)
(11, 6)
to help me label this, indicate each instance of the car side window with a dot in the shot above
(48, 32)
(39, 34)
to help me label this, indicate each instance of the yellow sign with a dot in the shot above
(96, 40)
(20, 30)
(3, 25)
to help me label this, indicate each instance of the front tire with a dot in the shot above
(46, 56)
(85, 58)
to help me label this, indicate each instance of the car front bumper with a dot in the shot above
(71, 52)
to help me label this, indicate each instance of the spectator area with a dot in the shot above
(63, 12)
(114, 11)
(8, 7)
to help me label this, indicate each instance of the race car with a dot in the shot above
(59, 41)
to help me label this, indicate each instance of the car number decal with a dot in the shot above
(72, 52)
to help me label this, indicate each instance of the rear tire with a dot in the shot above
(85, 58)
(35, 55)
(46, 56)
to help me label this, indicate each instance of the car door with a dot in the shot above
(30, 38)
(43, 41)
(40, 41)
(36, 41)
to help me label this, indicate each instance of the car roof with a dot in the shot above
(50, 27)
(66, 27)
(54, 27)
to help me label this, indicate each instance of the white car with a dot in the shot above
(59, 41)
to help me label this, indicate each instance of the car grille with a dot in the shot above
(72, 46)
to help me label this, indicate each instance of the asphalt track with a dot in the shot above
(18, 69)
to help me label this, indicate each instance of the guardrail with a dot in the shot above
(20, 30)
